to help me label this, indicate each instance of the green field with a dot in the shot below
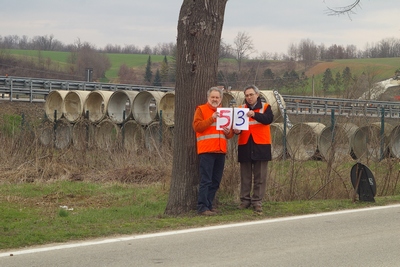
(131, 60)
(379, 68)
(61, 58)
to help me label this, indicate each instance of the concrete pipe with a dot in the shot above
(277, 146)
(63, 134)
(46, 133)
(302, 140)
(394, 142)
(107, 135)
(228, 100)
(276, 102)
(54, 103)
(157, 137)
(83, 133)
(145, 106)
(336, 143)
(133, 136)
(96, 105)
(73, 105)
(119, 108)
(167, 108)
(238, 97)
(366, 142)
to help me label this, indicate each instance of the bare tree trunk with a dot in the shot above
(199, 35)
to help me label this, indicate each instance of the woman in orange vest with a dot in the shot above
(254, 150)
(211, 148)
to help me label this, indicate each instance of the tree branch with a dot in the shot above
(348, 10)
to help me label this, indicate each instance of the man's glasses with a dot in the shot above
(249, 95)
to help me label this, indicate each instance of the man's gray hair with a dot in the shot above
(252, 86)
(221, 93)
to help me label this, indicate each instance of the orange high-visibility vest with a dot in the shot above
(211, 140)
(260, 132)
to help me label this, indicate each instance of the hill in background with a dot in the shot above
(54, 65)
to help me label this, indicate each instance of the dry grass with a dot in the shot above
(25, 160)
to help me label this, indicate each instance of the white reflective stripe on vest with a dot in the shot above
(210, 136)
(262, 108)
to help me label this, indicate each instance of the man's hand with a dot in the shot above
(215, 115)
(250, 113)
(236, 131)
(226, 130)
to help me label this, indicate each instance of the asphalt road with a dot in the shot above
(362, 237)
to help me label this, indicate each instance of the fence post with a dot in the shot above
(160, 130)
(333, 122)
(382, 133)
(55, 127)
(284, 133)
(123, 128)
(87, 129)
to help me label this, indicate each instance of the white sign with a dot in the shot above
(240, 119)
(233, 117)
(225, 118)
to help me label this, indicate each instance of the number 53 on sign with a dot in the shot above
(233, 117)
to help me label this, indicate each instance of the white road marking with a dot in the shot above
(177, 232)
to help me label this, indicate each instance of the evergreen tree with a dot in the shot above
(291, 80)
(327, 80)
(164, 72)
(338, 83)
(269, 78)
(148, 74)
(157, 79)
(346, 77)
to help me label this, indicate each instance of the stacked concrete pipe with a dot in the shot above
(367, 142)
(336, 141)
(54, 103)
(96, 105)
(146, 107)
(73, 105)
(133, 136)
(167, 108)
(119, 108)
(302, 140)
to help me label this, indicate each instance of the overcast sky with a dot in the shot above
(272, 24)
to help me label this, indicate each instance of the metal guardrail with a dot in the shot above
(36, 90)
(347, 107)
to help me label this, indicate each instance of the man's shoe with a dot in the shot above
(214, 210)
(207, 213)
(258, 209)
(244, 206)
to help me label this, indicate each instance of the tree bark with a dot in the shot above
(199, 35)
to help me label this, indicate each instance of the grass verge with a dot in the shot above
(61, 211)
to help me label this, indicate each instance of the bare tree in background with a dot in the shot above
(243, 47)
(225, 50)
(198, 44)
(307, 51)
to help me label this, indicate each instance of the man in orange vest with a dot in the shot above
(254, 150)
(211, 148)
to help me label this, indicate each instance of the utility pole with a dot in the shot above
(89, 74)
(313, 85)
